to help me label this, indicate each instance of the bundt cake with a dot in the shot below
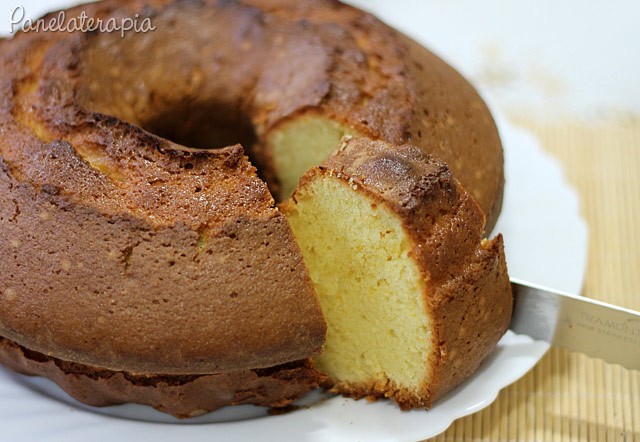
(136, 269)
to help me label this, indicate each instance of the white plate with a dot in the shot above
(545, 242)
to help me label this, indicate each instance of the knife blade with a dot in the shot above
(579, 324)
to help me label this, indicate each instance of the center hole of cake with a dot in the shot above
(203, 126)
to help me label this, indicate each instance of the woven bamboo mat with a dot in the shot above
(569, 397)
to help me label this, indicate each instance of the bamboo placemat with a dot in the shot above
(569, 397)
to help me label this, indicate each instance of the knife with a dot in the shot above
(584, 325)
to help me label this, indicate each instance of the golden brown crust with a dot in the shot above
(260, 63)
(474, 311)
(467, 290)
(109, 227)
(183, 396)
(115, 292)
(388, 87)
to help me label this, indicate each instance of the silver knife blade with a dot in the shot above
(580, 324)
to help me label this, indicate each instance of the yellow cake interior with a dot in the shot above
(370, 290)
(301, 143)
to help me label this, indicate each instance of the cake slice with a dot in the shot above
(414, 298)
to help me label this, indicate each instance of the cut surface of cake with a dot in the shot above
(413, 297)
